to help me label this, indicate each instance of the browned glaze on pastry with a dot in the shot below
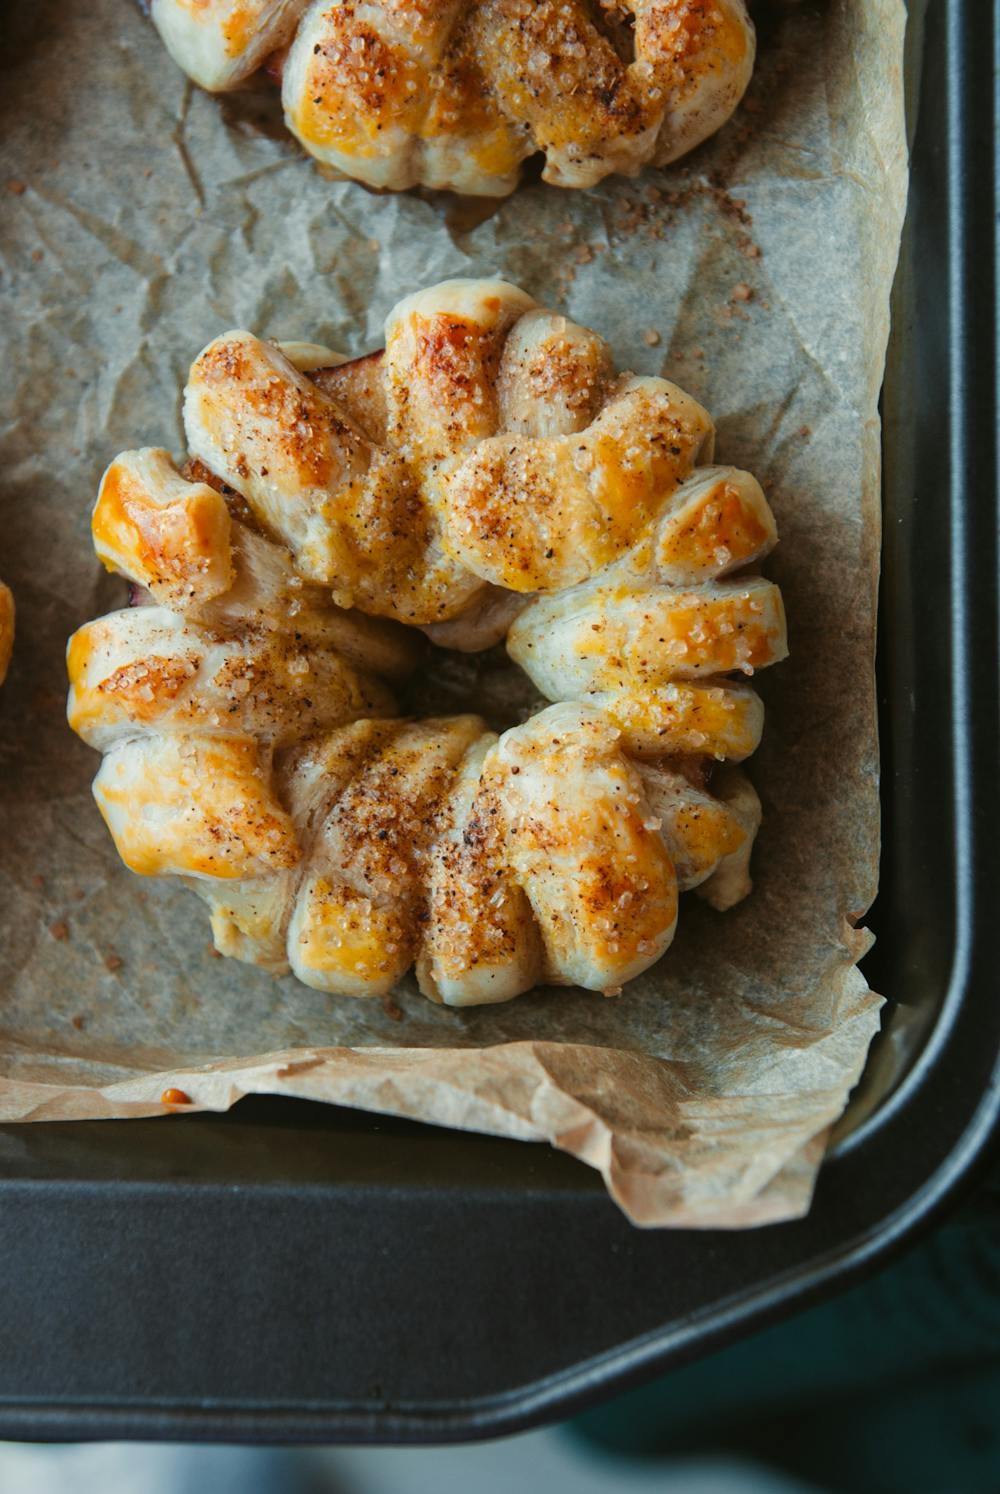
(488, 474)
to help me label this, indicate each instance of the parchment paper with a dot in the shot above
(142, 217)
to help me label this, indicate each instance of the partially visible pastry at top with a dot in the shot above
(458, 94)
(6, 629)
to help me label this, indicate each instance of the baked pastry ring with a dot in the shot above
(488, 474)
(458, 93)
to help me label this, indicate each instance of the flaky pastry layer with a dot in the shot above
(486, 476)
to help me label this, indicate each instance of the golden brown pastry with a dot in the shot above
(490, 442)
(458, 93)
(6, 629)
(488, 474)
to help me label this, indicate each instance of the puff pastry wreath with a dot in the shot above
(458, 93)
(486, 475)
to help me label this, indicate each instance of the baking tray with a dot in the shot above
(410, 1284)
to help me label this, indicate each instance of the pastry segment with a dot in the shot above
(6, 629)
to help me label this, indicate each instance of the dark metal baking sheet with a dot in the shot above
(423, 1285)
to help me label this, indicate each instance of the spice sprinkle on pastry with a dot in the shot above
(458, 94)
(487, 475)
